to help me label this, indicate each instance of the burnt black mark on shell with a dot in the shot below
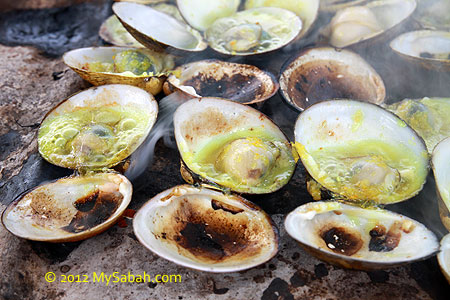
(237, 87)
(94, 209)
(380, 241)
(200, 240)
(216, 204)
(278, 289)
(311, 83)
(426, 55)
(341, 240)
(211, 235)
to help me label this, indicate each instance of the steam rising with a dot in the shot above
(163, 128)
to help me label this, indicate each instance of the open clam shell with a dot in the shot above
(206, 230)
(307, 10)
(253, 31)
(440, 161)
(200, 14)
(444, 257)
(98, 127)
(232, 145)
(428, 48)
(357, 238)
(326, 73)
(157, 30)
(69, 209)
(214, 78)
(361, 151)
(364, 25)
(101, 65)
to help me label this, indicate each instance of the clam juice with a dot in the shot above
(91, 137)
(246, 159)
(367, 170)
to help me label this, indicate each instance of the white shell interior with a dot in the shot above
(158, 26)
(416, 42)
(41, 213)
(200, 14)
(158, 216)
(440, 160)
(305, 223)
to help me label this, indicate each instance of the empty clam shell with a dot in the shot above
(326, 73)
(69, 209)
(427, 48)
(206, 230)
(214, 78)
(357, 238)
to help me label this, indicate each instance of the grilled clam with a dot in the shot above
(326, 73)
(306, 9)
(427, 48)
(427, 116)
(357, 238)
(440, 160)
(106, 65)
(355, 24)
(144, 24)
(361, 152)
(98, 127)
(69, 209)
(253, 31)
(214, 78)
(232, 146)
(206, 230)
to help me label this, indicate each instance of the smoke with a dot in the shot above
(163, 128)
